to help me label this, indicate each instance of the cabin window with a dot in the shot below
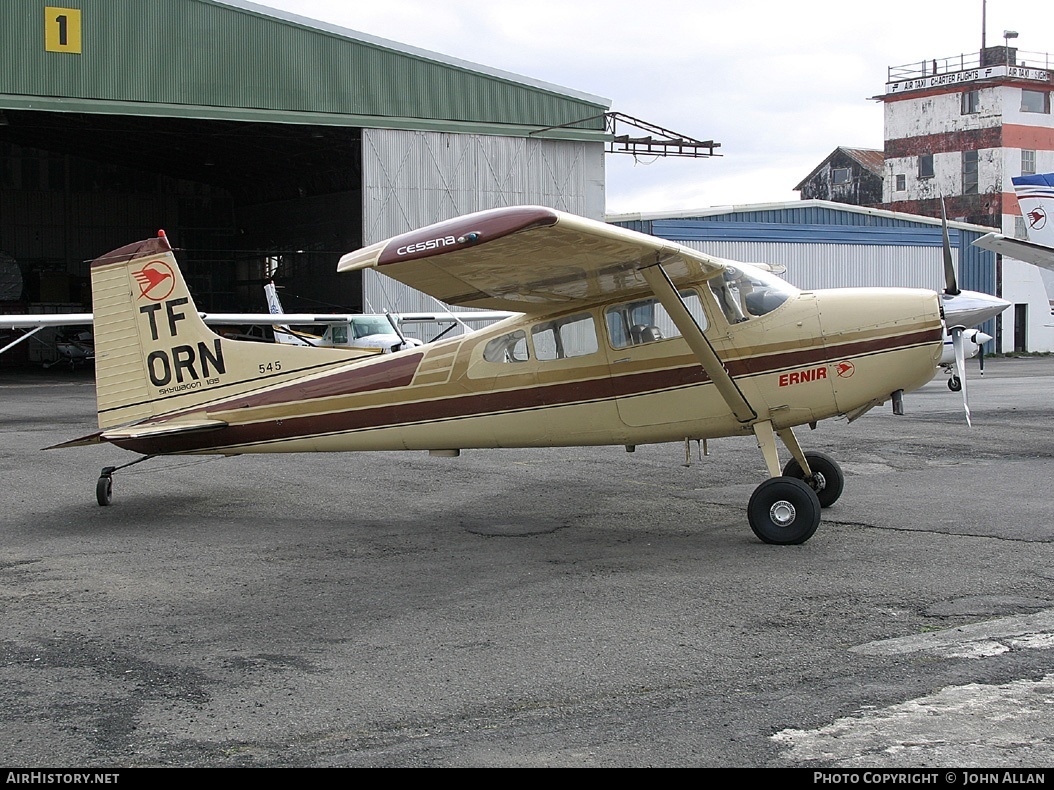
(1035, 101)
(339, 334)
(969, 172)
(646, 320)
(926, 166)
(969, 103)
(841, 175)
(563, 338)
(748, 293)
(508, 348)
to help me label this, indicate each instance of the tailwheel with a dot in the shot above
(784, 511)
(104, 486)
(827, 478)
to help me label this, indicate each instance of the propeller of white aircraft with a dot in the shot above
(963, 310)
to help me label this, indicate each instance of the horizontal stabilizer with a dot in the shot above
(82, 441)
(168, 428)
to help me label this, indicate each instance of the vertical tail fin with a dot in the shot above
(155, 355)
(282, 334)
(1035, 194)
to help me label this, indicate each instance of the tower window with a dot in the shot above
(969, 104)
(969, 172)
(841, 175)
(1035, 101)
(902, 182)
(1028, 162)
(926, 166)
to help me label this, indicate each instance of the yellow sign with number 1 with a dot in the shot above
(62, 29)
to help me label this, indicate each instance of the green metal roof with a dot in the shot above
(242, 61)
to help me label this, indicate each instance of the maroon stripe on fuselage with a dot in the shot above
(832, 352)
(390, 374)
(520, 399)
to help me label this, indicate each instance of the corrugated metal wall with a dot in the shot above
(813, 266)
(413, 179)
(828, 246)
(203, 53)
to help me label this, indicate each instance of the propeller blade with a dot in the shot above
(960, 367)
(980, 339)
(951, 288)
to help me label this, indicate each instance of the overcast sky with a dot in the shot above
(778, 84)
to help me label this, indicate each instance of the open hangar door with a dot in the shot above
(234, 197)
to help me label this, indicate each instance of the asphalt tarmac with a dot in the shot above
(581, 607)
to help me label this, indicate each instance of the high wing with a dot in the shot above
(44, 319)
(31, 321)
(1018, 249)
(527, 259)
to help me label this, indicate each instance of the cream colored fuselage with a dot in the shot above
(818, 355)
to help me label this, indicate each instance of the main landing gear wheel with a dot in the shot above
(104, 487)
(827, 481)
(955, 383)
(784, 511)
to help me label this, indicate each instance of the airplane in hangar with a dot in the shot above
(379, 332)
(1035, 194)
(357, 332)
(616, 338)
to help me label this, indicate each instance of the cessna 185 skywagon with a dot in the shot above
(619, 339)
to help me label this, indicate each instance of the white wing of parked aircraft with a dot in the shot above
(370, 333)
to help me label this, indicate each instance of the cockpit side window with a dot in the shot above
(646, 320)
(744, 294)
(508, 348)
(563, 338)
(339, 334)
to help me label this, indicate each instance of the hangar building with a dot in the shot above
(256, 137)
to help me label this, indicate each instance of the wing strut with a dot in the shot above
(20, 338)
(662, 286)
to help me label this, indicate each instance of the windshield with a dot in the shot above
(745, 292)
(372, 326)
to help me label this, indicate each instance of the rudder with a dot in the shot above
(155, 355)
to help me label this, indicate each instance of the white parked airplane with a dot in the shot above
(1035, 194)
(962, 312)
(375, 332)
(367, 334)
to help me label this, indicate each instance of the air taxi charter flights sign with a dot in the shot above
(970, 75)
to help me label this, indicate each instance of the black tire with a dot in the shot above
(784, 511)
(828, 480)
(104, 490)
(955, 384)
